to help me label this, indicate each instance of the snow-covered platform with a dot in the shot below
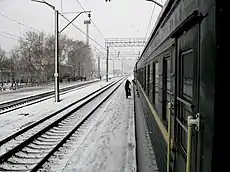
(146, 160)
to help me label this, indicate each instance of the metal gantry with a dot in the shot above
(125, 42)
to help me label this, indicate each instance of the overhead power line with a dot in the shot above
(80, 5)
(9, 37)
(83, 32)
(100, 52)
(18, 22)
(10, 34)
(91, 20)
(150, 20)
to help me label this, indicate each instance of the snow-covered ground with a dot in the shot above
(110, 146)
(28, 91)
(20, 118)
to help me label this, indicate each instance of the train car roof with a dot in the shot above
(166, 8)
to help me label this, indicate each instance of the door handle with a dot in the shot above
(169, 137)
(191, 123)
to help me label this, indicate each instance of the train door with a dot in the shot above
(186, 105)
(166, 91)
(148, 80)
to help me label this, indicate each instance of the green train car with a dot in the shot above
(176, 77)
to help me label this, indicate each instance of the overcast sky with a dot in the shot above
(118, 18)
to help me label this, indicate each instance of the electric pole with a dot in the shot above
(87, 22)
(87, 32)
(99, 72)
(121, 66)
(113, 69)
(56, 58)
(107, 65)
(56, 73)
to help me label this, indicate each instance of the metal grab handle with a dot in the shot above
(191, 122)
(169, 138)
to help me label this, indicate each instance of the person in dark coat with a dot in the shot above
(127, 89)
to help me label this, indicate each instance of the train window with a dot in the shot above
(186, 83)
(153, 83)
(148, 80)
(157, 79)
(166, 87)
(140, 76)
(187, 74)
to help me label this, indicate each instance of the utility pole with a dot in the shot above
(87, 32)
(99, 72)
(121, 66)
(107, 65)
(118, 54)
(113, 69)
(57, 32)
(56, 73)
(87, 22)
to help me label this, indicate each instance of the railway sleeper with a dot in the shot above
(42, 144)
(12, 167)
(46, 140)
(20, 156)
(29, 156)
(37, 150)
(51, 137)
(19, 161)
(36, 147)
(29, 152)
(50, 134)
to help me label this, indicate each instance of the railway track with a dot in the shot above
(31, 147)
(29, 100)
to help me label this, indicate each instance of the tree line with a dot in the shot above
(32, 61)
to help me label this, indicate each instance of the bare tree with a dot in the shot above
(2, 63)
(80, 57)
(33, 60)
(31, 49)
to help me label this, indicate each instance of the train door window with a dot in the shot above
(186, 83)
(187, 74)
(157, 79)
(153, 83)
(148, 80)
(166, 87)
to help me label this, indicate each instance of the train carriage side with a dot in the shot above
(175, 78)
